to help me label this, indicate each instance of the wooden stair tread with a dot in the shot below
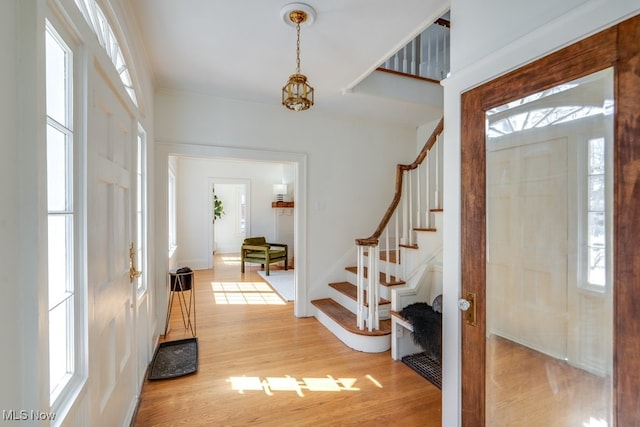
(351, 290)
(401, 320)
(391, 282)
(413, 246)
(437, 210)
(347, 319)
(397, 314)
(432, 230)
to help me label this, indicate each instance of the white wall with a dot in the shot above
(487, 40)
(194, 197)
(10, 283)
(350, 164)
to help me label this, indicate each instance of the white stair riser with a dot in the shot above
(367, 344)
(438, 218)
(351, 305)
(386, 266)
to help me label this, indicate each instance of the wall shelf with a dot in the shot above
(281, 204)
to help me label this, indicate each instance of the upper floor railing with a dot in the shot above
(426, 56)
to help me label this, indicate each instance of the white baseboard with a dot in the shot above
(194, 264)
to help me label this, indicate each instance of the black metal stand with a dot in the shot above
(181, 283)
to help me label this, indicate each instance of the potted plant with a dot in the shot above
(218, 208)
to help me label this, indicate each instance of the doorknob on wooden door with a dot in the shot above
(468, 305)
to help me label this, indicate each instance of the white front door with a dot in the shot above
(527, 244)
(112, 133)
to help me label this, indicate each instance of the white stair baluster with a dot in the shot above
(436, 177)
(405, 217)
(428, 184)
(397, 244)
(410, 196)
(360, 288)
(372, 291)
(386, 248)
(418, 200)
(413, 57)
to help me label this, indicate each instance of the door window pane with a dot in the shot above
(596, 156)
(60, 236)
(596, 273)
(60, 324)
(596, 193)
(57, 80)
(57, 166)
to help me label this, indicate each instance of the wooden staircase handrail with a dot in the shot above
(373, 239)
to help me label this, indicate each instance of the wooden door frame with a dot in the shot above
(618, 47)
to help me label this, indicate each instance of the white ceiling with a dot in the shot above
(242, 49)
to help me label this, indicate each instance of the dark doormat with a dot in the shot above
(174, 359)
(427, 366)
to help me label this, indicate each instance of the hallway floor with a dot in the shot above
(260, 365)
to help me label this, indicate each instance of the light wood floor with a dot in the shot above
(292, 371)
(529, 389)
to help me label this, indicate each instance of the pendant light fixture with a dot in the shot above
(297, 94)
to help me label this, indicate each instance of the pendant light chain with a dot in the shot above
(298, 49)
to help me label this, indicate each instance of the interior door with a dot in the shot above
(614, 397)
(228, 232)
(112, 354)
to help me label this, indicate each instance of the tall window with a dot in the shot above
(596, 217)
(141, 209)
(98, 22)
(61, 214)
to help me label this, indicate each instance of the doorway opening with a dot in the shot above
(296, 162)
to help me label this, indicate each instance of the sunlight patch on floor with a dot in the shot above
(230, 259)
(373, 380)
(595, 423)
(245, 293)
(272, 384)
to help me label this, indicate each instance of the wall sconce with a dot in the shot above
(279, 191)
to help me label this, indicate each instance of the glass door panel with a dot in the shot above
(549, 257)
